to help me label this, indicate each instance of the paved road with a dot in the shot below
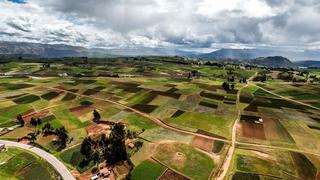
(62, 170)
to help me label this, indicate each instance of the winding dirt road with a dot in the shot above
(233, 142)
(157, 121)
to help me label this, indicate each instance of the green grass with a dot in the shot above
(11, 86)
(74, 157)
(160, 134)
(50, 95)
(36, 171)
(68, 97)
(147, 170)
(27, 99)
(217, 147)
(68, 118)
(20, 164)
(137, 122)
(15, 111)
(137, 98)
(8, 124)
(210, 123)
(252, 163)
(86, 103)
(186, 159)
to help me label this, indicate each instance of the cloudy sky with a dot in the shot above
(200, 25)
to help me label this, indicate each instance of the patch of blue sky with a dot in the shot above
(18, 1)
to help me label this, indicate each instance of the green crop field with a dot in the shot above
(147, 170)
(185, 159)
(16, 164)
(180, 122)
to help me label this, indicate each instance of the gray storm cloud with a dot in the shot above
(164, 23)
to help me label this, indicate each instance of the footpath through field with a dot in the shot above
(58, 166)
(222, 172)
(288, 99)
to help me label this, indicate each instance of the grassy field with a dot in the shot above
(17, 164)
(74, 158)
(185, 159)
(163, 90)
(258, 163)
(148, 170)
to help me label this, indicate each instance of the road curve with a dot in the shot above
(59, 166)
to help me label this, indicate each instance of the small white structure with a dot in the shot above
(63, 75)
(2, 147)
(260, 121)
(95, 177)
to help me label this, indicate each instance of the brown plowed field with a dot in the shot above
(253, 130)
(81, 110)
(169, 174)
(41, 114)
(203, 143)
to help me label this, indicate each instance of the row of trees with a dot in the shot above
(47, 129)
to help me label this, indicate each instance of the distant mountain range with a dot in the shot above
(265, 57)
(17, 49)
(308, 63)
(256, 53)
(273, 61)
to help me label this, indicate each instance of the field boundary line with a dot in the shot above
(165, 165)
(157, 121)
(162, 173)
(287, 98)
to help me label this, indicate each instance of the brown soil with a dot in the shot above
(203, 143)
(97, 128)
(122, 169)
(169, 174)
(41, 114)
(24, 141)
(81, 110)
(270, 125)
(253, 130)
(28, 113)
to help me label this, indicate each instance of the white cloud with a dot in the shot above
(184, 24)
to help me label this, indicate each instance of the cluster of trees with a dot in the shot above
(226, 86)
(193, 73)
(243, 80)
(111, 149)
(47, 129)
(20, 120)
(61, 133)
(35, 122)
(286, 76)
(261, 77)
(96, 116)
(46, 65)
